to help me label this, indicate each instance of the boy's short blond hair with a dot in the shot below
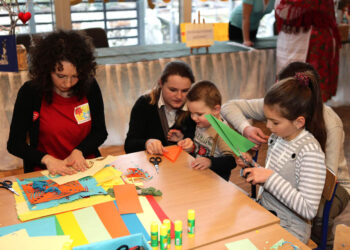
(205, 91)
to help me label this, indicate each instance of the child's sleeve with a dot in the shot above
(304, 199)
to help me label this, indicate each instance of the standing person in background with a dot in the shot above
(245, 19)
(60, 108)
(160, 118)
(308, 33)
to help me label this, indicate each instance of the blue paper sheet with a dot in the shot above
(41, 227)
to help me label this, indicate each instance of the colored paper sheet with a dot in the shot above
(24, 213)
(107, 174)
(244, 244)
(233, 139)
(91, 225)
(148, 215)
(59, 230)
(111, 219)
(21, 240)
(36, 196)
(172, 152)
(134, 225)
(71, 227)
(95, 166)
(160, 213)
(127, 199)
(42, 227)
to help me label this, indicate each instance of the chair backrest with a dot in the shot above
(328, 190)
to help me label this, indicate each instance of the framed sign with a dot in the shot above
(199, 34)
(8, 53)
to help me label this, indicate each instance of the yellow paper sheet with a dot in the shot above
(97, 165)
(24, 213)
(71, 227)
(21, 240)
(148, 215)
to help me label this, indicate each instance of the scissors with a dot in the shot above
(8, 185)
(249, 164)
(155, 161)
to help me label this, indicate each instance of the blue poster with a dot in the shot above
(8, 53)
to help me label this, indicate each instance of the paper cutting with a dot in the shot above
(172, 153)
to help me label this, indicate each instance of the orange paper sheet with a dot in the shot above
(172, 152)
(111, 219)
(127, 199)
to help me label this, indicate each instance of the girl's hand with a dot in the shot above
(77, 160)
(175, 135)
(154, 147)
(201, 163)
(240, 162)
(257, 175)
(186, 144)
(56, 166)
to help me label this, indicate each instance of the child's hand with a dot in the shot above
(257, 175)
(201, 163)
(175, 135)
(186, 144)
(240, 162)
(154, 147)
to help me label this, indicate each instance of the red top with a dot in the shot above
(63, 125)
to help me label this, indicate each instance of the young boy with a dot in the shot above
(209, 148)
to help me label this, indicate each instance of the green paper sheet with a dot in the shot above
(233, 139)
(244, 244)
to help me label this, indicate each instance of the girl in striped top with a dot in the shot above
(293, 178)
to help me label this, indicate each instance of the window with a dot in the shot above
(42, 19)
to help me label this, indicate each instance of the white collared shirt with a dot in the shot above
(169, 112)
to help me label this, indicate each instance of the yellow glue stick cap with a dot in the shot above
(178, 225)
(154, 227)
(163, 230)
(166, 222)
(190, 214)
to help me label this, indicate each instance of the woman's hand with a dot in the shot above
(257, 175)
(56, 166)
(201, 163)
(186, 144)
(248, 43)
(154, 147)
(77, 160)
(255, 135)
(175, 135)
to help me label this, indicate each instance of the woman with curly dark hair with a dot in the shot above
(60, 108)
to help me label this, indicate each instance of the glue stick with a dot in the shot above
(178, 234)
(190, 223)
(163, 237)
(167, 223)
(154, 235)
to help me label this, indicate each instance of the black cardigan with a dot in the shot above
(145, 124)
(28, 101)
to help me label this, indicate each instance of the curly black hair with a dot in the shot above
(49, 51)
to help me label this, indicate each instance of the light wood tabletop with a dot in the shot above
(263, 238)
(222, 209)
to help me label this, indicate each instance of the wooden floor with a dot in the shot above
(343, 112)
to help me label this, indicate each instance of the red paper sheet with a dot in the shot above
(127, 199)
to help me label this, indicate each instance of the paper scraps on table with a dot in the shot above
(172, 152)
(127, 199)
(138, 173)
(36, 196)
(244, 244)
(90, 189)
(233, 139)
(95, 165)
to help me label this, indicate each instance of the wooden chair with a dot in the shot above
(328, 195)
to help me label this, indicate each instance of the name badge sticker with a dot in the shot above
(82, 113)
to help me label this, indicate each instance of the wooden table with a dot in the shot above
(262, 238)
(222, 210)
